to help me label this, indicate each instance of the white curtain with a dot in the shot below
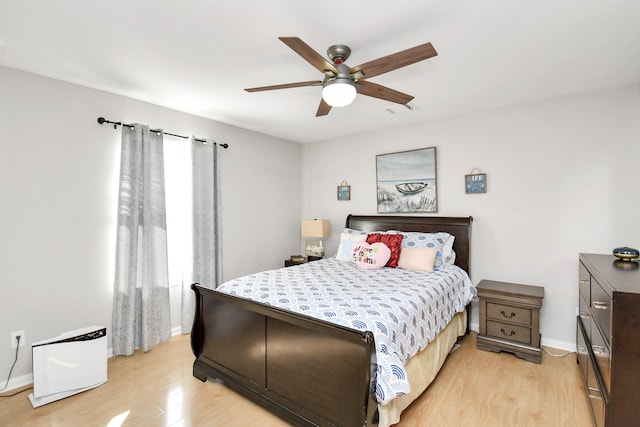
(141, 317)
(206, 266)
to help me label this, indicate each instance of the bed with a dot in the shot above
(312, 371)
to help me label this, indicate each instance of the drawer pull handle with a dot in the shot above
(584, 281)
(507, 316)
(584, 315)
(510, 334)
(600, 305)
(598, 350)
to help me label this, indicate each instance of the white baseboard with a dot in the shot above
(562, 345)
(18, 382)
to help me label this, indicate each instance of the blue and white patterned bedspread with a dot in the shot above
(404, 309)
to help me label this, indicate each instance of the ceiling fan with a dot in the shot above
(341, 83)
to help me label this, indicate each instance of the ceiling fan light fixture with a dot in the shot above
(339, 92)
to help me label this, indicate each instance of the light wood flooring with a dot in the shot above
(475, 388)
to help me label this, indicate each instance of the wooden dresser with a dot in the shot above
(510, 318)
(608, 338)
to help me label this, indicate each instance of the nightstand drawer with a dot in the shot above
(509, 332)
(506, 313)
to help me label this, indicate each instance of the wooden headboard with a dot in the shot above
(460, 227)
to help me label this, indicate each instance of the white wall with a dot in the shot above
(58, 189)
(561, 180)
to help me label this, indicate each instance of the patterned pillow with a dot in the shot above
(371, 256)
(441, 241)
(348, 238)
(393, 241)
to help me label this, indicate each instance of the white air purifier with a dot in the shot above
(68, 364)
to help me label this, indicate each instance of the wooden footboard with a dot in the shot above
(310, 372)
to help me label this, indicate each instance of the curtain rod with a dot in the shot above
(102, 121)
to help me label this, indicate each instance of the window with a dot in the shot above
(177, 172)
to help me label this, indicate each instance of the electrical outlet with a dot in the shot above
(14, 339)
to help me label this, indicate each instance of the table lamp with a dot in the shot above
(313, 231)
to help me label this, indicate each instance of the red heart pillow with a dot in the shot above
(371, 256)
(393, 242)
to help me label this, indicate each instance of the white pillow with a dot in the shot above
(417, 259)
(448, 255)
(348, 239)
(452, 258)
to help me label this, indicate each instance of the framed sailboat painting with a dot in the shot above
(407, 181)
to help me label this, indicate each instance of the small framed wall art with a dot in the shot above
(475, 183)
(344, 191)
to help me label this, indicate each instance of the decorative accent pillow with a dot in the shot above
(371, 256)
(417, 259)
(393, 241)
(441, 241)
(348, 238)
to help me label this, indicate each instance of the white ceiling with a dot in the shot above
(197, 56)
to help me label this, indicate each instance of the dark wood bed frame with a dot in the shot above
(285, 361)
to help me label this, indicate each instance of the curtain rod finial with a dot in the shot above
(101, 120)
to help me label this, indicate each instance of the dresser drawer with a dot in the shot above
(584, 282)
(602, 356)
(596, 398)
(509, 332)
(592, 380)
(585, 315)
(601, 309)
(507, 313)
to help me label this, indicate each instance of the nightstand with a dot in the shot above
(290, 262)
(510, 318)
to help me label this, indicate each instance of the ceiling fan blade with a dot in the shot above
(375, 90)
(284, 86)
(396, 60)
(310, 55)
(323, 108)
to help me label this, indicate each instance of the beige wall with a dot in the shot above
(561, 176)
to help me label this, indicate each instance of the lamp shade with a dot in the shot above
(339, 92)
(316, 228)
